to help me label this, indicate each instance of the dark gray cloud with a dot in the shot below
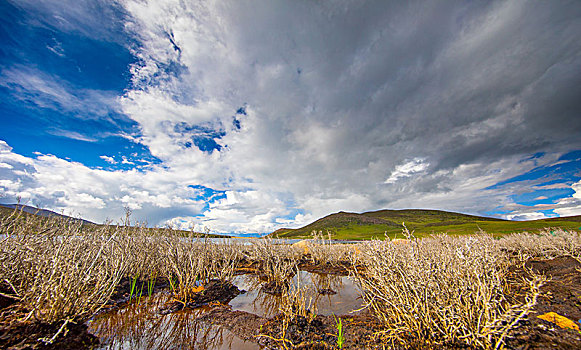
(354, 105)
(341, 95)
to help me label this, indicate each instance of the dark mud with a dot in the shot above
(214, 292)
(243, 324)
(339, 269)
(320, 332)
(562, 295)
(16, 335)
(6, 291)
(121, 295)
(275, 288)
(326, 291)
(245, 267)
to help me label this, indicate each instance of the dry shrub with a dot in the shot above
(62, 269)
(226, 257)
(297, 311)
(141, 248)
(278, 261)
(265, 248)
(189, 262)
(440, 290)
(547, 244)
(324, 251)
(59, 269)
(299, 301)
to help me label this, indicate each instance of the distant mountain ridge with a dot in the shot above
(381, 223)
(346, 225)
(8, 209)
(42, 212)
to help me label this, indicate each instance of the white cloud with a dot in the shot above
(417, 165)
(444, 100)
(553, 186)
(336, 100)
(4, 147)
(577, 188)
(47, 91)
(108, 159)
(124, 160)
(57, 48)
(72, 135)
(9, 185)
(526, 216)
(95, 194)
(570, 206)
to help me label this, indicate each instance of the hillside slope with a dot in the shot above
(377, 224)
(8, 210)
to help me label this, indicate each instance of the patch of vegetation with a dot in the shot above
(378, 224)
(439, 292)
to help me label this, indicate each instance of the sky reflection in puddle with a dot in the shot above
(267, 305)
(140, 326)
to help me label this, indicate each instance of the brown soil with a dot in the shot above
(319, 333)
(121, 295)
(243, 324)
(214, 292)
(4, 300)
(16, 335)
(562, 295)
(340, 269)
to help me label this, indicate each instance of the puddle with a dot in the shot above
(267, 305)
(141, 326)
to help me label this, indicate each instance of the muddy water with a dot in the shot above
(140, 326)
(267, 305)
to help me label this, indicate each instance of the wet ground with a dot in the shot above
(230, 324)
(141, 325)
(562, 295)
(332, 294)
(243, 316)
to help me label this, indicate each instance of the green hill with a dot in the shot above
(354, 226)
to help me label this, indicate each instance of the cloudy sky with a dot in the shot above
(248, 116)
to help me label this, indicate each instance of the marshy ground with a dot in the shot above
(66, 286)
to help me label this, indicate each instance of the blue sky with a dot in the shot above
(246, 118)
